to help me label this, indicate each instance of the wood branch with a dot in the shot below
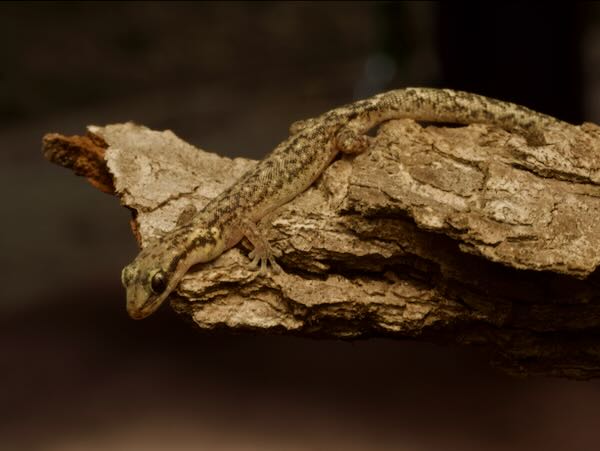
(452, 235)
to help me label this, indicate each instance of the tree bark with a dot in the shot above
(452, 235)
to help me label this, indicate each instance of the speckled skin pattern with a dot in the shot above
(290, 169)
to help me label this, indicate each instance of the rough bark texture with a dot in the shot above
(449, 235)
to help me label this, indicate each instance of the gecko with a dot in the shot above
(289, 170)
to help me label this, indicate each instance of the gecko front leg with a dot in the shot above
(262, 252)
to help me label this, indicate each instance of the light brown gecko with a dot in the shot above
(290, 169)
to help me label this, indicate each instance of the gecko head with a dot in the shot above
(146, 290)
(161, 264)
(148, 280)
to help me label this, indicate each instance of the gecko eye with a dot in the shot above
(158, 283)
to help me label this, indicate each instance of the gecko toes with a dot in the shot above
(275, 266)
(267, 261)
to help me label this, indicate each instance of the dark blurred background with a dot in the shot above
(77, 374)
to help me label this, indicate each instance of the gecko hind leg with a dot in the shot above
(262, 252)
(351, 139)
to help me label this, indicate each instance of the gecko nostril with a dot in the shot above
(126, 276)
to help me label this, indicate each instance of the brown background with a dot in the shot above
(76, 373)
